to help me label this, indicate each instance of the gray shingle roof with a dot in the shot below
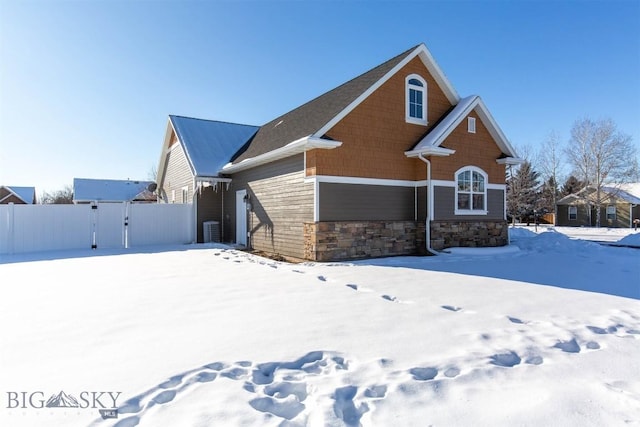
(312, 116)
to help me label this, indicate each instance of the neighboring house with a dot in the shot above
(620, 206)
(393, 162)
(112, 191)
(17, 195)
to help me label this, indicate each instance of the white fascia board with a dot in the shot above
(437, 73)
(364, 181)
(166, 149)
(495, 130)
(510, 161)
(211, 179)
(430, 151)
(162, 165)
(299, 146)
(428, 61)
(438, 134)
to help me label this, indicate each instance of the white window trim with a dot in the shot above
(424, 91)
(575, 209)
(471, 211)
(614, 212)
(173, 196)
(185, 199)
(471, 124)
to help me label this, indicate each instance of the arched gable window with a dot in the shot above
(471, 191)
(416, 94)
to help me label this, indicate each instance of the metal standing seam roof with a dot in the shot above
(107, 190)
(312, 116)
(209, 144)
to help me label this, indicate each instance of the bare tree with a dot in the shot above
(549, 163)
(58, 197)
(601, 156)
(152, 174)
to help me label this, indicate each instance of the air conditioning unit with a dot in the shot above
(211, 231)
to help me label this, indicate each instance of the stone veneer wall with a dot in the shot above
(344, 240)
(447, 234)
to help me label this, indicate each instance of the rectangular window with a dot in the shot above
(611, 212)
(573, 212)
(463, 201)
(173, 196)
(185, 194)
(415, 104)
(471, 124)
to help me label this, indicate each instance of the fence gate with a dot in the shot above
(35, 228)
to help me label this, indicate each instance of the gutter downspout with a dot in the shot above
(428, 195)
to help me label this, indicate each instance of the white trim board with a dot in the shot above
(452, 184)
(364, 181)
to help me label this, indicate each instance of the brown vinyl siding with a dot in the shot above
(472, 149)
(359, 202)
(282, 202)
(445, 204)
(178, 175)
(375, 134)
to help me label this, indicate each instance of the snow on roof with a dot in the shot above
(27, 194)
(624, 192)
(209, 144)
(107, 190)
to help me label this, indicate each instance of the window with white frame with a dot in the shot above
(611, 212)
(416, 107)
(471, 191)
(573, 212)
(471, 125)
(185, 194)
(173, 196)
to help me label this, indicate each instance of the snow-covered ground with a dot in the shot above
(543, 332)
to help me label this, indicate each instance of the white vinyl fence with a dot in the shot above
(35, 228)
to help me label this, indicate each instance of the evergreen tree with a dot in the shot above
(571, 186)
(548, 196)
(522, 192)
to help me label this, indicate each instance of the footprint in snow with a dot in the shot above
(570, 346)
(164, 397)
(451, 308)
(515, 320)
(345, 408)
(358, 288)
(322, 278)
(452, 372)
(506, 360)
(423, 374)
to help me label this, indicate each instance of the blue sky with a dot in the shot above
(86, 86)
